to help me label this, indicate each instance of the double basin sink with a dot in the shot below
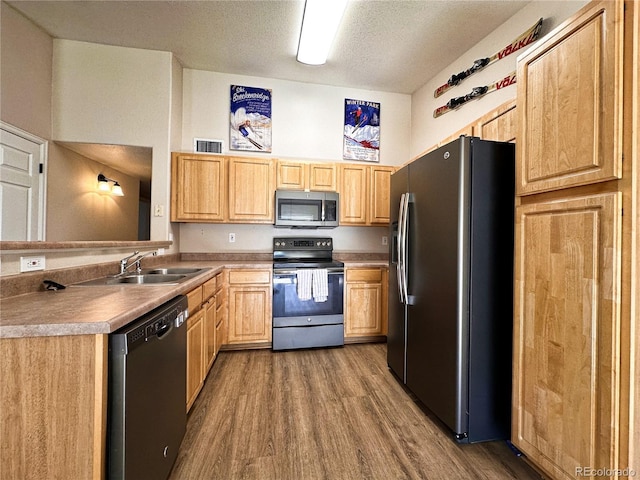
(152, 276)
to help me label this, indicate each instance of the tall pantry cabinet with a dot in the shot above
(575, 286)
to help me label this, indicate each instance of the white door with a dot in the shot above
(21, 185)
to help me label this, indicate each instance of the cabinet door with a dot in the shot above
(195, 356)
(323, 177)
(251, 190)
(291, 175)
(499, 125)
(379, 198)
(198, 188)
(363, 299)
(249, 314)
(567, 333)
(570, 104)
(353, 194)
(210, 342)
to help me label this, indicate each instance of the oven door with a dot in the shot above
(287, 304)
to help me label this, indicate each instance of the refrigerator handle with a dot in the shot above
(399, 244)
(404, 227)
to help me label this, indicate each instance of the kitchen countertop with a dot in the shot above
(96, 309)
(91, 310)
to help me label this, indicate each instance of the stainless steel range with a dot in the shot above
(308, 294)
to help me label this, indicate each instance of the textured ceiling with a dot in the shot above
(387, 45)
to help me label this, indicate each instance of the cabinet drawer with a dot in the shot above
(253, 277)
(364, 275)
(194, 297)
(208, 288)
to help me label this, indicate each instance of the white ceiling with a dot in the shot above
(386, 45)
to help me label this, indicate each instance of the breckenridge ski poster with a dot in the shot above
(250, 119)
(361, 131)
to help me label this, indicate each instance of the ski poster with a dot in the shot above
(250, 119)
(361, 131)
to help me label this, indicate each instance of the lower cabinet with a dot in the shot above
(195, 356)
(365, 302)
(249, 306)
(221, 311)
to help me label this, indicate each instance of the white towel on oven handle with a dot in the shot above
(320, 287)
(303, 278)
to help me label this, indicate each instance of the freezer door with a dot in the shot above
(396, 332)
(437, 325)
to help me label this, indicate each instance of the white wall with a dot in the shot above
(25, 73)
(116, 95)
(307, 119)
(426, 130)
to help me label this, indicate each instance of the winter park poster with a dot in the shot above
(250, 119)
(361, 130)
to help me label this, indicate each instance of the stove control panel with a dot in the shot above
(297, 243)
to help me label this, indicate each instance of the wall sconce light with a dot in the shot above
(320, 24)
(103, 186)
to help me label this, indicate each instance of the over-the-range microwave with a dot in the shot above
(299, 209)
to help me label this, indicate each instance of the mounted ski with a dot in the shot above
(523, 40)
(477, 92)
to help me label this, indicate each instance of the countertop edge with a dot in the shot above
(105, 324)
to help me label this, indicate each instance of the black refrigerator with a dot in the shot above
(451, 284)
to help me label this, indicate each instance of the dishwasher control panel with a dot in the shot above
(155, 324)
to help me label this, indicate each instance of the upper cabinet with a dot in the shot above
(292, 175)
(252, 183)
(364, 194)
(570, 104)
(198, 188)
(499, 125)
(216, 188)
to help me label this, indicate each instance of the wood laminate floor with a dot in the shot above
(334, 414)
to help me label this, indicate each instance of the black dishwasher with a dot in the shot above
(147, 384)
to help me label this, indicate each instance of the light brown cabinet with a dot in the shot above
(252, 184)
(215, 188)
(570, 104)
(249, 306)
(500, 125)
(210, 322)
(364, 194)
(195, 356)
(53, 406)
(566, 329)
(202, 342)
(365, 302)
(292, 175)
(198, 188)
(221, 310)
(572, 302)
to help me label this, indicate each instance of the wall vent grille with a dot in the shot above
(203, 145)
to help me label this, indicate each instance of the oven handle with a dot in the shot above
(293, 272)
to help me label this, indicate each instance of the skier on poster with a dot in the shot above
(361, 130)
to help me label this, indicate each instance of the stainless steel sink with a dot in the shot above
(173, 271)
(154, 276)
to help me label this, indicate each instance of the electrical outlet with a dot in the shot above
(158, 211)
(31, 264)
(232, 237)
(385, 240)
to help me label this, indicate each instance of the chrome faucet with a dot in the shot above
(123, 263)
(126, 265)
(140, 257)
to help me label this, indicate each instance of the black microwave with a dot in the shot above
(299, 209)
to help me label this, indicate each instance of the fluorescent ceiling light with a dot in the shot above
(319, 27)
